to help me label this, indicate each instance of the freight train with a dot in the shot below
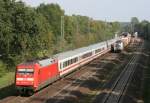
(32, 76)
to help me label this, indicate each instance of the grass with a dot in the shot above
(7, 87)
(7, 79)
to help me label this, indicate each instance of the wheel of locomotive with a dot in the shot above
(29, 92)
(20, 92)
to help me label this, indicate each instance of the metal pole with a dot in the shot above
(105, 30)
(77, 28)
(89, 25)
(62, 33)
(88, 30)
(62, 27)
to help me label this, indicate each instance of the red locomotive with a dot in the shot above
(32, 76)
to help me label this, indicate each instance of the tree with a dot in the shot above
(134, 22)
(28, 33)
(52, 13)
(6, 27)
(144, 28)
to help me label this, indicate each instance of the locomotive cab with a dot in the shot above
(35, 75)
(25, 79)
(118, 46)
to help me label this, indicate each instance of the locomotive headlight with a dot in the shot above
(19, 79)
(30, 79)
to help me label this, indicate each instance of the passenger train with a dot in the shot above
(34, 75)
(118, 46)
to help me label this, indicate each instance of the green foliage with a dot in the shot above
(143, 27)
(134, 21)
(6, 80)
(29, 33)
(2, 68)
(53, 13)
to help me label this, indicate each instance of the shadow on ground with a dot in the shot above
(8, 91)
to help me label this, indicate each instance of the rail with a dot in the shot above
(119, 87)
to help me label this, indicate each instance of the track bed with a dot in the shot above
(84, 85)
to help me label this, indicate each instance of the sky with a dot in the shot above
(109, 10)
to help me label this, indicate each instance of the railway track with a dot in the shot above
(57, 92)
(120, 85)
(76, 80)
(62, 96)
(76, 84)
(58, 86)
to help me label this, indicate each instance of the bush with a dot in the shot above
(2, 68)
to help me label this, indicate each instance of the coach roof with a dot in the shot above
(72, 53)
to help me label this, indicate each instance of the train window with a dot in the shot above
(86, 55)
(64, 64)
(25, 71)
(71, 61)
(98, 50)
(68, 62)
(60, 65)
(76, 59)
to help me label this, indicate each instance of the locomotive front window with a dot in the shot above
(25, 71)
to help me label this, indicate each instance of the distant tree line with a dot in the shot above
(143, 27)
(29, 33)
